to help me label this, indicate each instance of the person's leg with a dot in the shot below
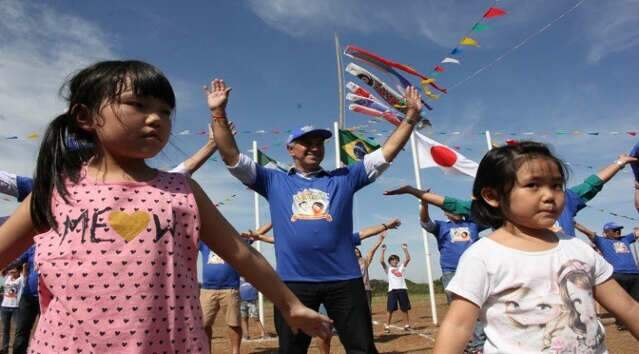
(325, 345)
(26, 315)
(232, 304)
(345, 303)
(5, 316)
(391, 306)
(369, 299)
(404, 306)
(244, 316)
(446, 278)
(254, 313)
(290, 343)
(624, 282)
(210, 306)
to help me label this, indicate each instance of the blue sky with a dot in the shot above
(279, 57)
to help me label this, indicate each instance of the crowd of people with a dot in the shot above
(106, 247)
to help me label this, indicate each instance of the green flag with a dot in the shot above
(268, 162)
(478, 27)
(354, 147)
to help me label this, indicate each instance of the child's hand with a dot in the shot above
(393, 224)
(413, 100)
(404, 246)
(625, 159)
(401, 190)
(217, 95)
(384, 247)
(309, 321)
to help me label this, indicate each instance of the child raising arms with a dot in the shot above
(116, 240)
(533, 290)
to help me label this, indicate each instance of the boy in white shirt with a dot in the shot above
(397, 290)
(13, 285)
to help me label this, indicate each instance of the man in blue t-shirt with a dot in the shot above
(616, 249)
(220, 290)
(312, 215)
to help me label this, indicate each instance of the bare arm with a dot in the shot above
(611, 170)
(424, 216)
(16, 234)
(217, 233)
(217, 98)
(425, 195)
(254, 236)
(264, 228)
(457, 327)
(406, 254)
(378, 229)
(586, 231)
(612, 296)
(371, 252)
(381, 258)
(402, 133)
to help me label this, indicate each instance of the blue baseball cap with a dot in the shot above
(308, 129)
(609, 226)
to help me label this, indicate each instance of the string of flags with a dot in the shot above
(226, 200)
(611, 213)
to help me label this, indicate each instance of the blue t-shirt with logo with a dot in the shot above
(618, 253)
(247, 291)
(216, 273)
(313, 220)
(453, 239)
(573, 203)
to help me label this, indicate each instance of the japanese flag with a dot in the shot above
(433, 154)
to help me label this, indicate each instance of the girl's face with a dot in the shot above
(537, 198)
(133, 127)
(393, 262)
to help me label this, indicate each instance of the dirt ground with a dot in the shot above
(420, 340)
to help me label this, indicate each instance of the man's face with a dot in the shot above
(616, 233)
(307, 151)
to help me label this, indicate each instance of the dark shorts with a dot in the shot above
(398, 296)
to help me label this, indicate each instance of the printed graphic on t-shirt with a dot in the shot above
(310, 204)
(460, 234)
(621, 247)
(396, 272)
(11, 290)
(559, 318)
(214, 258)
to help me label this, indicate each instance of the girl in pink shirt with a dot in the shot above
(116, 239)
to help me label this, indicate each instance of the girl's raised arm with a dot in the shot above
(16, 234)
(616, 300)
(217, 233)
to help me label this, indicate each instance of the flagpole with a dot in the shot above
(429, 272)
(258, 244)
(489, 140)
(337, 147)
(340, 82)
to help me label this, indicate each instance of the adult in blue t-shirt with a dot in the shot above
(312, 215)
(220, 290)
(617, 250)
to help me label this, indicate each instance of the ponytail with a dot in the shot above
(64, 149)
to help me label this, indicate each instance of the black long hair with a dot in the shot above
(65, 146)
(498, 170)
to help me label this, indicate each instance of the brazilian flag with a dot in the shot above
(269, 162)
(354, 147)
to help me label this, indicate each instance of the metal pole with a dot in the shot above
(340, 82)
(338, 163)
(258, 244)
(489, 140)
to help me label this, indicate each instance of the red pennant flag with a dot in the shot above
(494, 12)
(439, 69)
(632, 133)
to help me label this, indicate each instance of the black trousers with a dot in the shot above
(346, 305)
(629, 282)
(28, 311)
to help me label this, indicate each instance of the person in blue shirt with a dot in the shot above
(249, 308)
(312, 214)
(576, 197)
(617, 250)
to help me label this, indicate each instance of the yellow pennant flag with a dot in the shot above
(431, 95)
(427, 81)
(469, 41)
(32, 136)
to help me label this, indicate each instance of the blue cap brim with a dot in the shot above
(324, 133)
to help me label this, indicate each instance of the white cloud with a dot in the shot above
(613, 27)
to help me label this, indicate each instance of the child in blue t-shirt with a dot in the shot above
(249, 308)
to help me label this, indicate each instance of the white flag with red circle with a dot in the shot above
(433, 154)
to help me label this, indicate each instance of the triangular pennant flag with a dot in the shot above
(433, 154)
(469, 41)
(32, 136)
(269, 162)
(353, 147)
(456, 51)
(478, 27)
(494, 12)
(450, 60)
(439, 69)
